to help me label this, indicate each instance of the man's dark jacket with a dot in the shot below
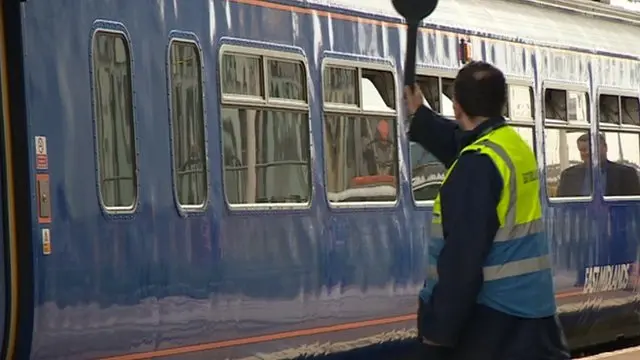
(451, 317)
(622, 180)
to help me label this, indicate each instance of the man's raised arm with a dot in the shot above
(432, 131)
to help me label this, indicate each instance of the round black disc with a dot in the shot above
(415, 10)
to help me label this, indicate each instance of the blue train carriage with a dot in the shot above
(213, 179)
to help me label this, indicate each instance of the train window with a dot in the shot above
(377, 82)
(114, 120)
(621, 151)
(619, 145)
(567, 144)
(447, 98)
(611, 106)
(266, 145)
(630, 111)
(520, 103)
(241, 75)
(360, 142)
(568, 166)
(519, 109)
(526, 132)
(430, 87)
(427, 173)
(609, 109)
(577, 106)
(438, 92)
(341, 86)
(286, 80)
(568, 106)
(555, 104)
(187, 123)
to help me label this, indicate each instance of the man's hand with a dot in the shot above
(414, 98)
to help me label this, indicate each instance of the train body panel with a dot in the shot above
(235, 281)
(4, 289)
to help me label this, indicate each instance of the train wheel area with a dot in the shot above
(625, 354)
(621, 349)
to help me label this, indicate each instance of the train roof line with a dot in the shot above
(591, 8)
(569, 24)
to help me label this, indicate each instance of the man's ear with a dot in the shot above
(457, 110)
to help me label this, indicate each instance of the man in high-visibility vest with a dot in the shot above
(489, 289)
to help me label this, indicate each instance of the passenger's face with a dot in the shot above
(583, 147)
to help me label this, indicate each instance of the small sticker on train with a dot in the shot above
(46, 241)
(42, 159)
(607, 278)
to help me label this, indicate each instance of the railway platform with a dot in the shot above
(625, 354)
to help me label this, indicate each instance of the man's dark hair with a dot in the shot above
(481, 89)
(585, 138)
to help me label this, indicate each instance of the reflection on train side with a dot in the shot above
(266, 151)
(360, 145)
(607, 278)
(427, 173)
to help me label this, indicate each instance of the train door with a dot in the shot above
(4, 235)
(15, 195)
(4, 229)
(3, 263)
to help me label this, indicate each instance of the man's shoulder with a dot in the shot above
(474, 157)
(474, 163)
(574, 169)
(619, 166)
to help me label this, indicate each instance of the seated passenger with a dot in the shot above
(378, 154)
(620, 180)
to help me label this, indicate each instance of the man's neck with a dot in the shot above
(472, 123)
(466, 137)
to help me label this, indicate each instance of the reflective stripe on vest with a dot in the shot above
(513, 268)
(509, 229)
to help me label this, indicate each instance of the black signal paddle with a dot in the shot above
(413, 11)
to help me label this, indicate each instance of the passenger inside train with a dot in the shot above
(618, 180)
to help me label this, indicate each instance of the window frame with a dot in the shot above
(522, 82)
(359, 63)
(619, 93)
(618, 128)
(192, 39)
(437, 73)
(117, 29)
(522, 123)
(266, 102)
(566, 125)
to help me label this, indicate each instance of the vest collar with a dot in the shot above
(466, 138)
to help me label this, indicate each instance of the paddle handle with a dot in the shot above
(410, 55)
